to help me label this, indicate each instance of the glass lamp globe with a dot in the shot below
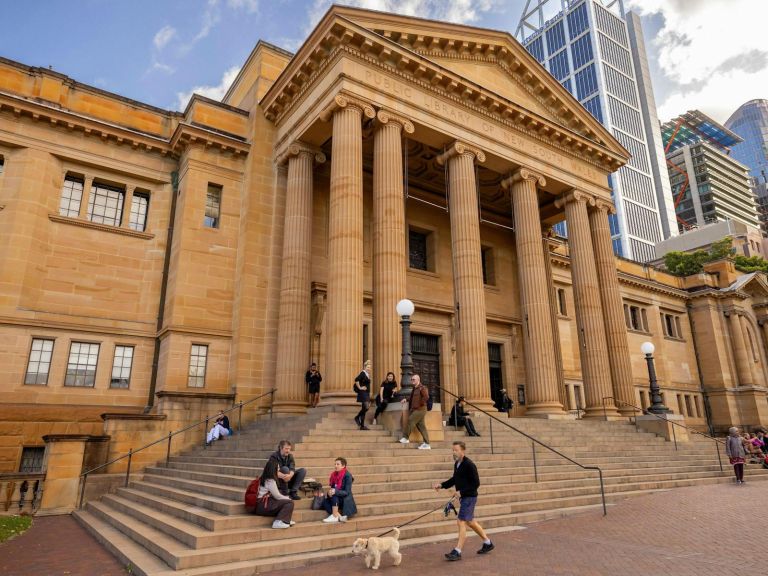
(405, 308)
(647, 348)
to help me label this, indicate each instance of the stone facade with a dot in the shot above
(278, 232)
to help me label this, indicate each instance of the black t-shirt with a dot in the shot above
(388, 390)
(313, 379)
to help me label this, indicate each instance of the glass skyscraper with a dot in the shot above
(592, 52)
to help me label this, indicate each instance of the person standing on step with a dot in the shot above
(734, 449)
(387, 391)
(362, 387)
(313, 379)
(289, 479)
(466, 481)
(417, 408)
(270, 501)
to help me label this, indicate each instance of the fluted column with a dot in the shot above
(389, 242)
(757, 377)
(469, 291)
(595, 369)
(613, 307)
(738, 346)
(541, 381)
(295, 287)
(344, 313)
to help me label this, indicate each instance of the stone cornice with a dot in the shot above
(385, 117)
(334, 39)
(189, 135)
(101, 227)
(459, 148)
(297, 148)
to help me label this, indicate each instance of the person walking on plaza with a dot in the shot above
(417, 407)
(313, 379)
(384, 397)
(362, 387)
(734, 449)
(288, 478)
(466, 481)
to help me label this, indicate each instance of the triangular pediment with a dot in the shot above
(753, 283)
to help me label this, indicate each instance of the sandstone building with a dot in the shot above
(157, 265)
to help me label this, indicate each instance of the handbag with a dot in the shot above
(318, 502)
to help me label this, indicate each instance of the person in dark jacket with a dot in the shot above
(289, 479)
(466, 481)
(339, 502)
(313, 379)
(220, 428)
(386, 393)
(362, 387)
(459, 417)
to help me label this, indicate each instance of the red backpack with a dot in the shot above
(252, 493)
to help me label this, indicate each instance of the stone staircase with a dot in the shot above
(188, 518)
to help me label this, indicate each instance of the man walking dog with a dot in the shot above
(466, 481)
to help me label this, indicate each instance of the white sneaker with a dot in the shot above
(331, 520)
(342, 518)
(280, 525)
(404, 441)
(425, 446)
(373, 422)
(293, 522)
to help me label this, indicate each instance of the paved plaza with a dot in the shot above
(688, 531)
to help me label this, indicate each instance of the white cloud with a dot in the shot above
(163, 36)
(160, 67)
(214, 92)
(712, 52)
(250, 6)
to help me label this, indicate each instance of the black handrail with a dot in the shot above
(534, 442)
(169, 438)
(645, 412)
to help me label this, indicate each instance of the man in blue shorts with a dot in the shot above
(466, 481)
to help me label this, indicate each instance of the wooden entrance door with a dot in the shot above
(426, 361)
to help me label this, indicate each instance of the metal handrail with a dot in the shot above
(645, 412)
(534, 442)
(169, 438)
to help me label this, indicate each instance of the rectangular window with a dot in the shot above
(71, 196)
(567, 85)
(212, 206)
(581, 51)
(489, 269)
(105, 206)
(555, 37)
(121, 367)
(688, 410)
(536, 48)
(81, 367)
(139, 208)
(618, 249)
(578, 20)
(561, 302)
(198, 359)
(418, 249)
(558, 65)
(39, 361)
(593, 107)
(680, 409)
(32, 459)
(586, 82)
(697, 406)
(635, 318)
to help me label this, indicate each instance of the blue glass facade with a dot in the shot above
(750, 122)
(586, 82)
(536, 48)
(581, 50)
(558, 65)
(578, 21)
(555, 37)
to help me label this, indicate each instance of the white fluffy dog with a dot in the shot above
(372, 548)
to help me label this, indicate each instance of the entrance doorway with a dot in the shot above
(495, 376)
(425, 349)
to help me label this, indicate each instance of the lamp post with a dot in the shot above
(657, 406)
(405, 310)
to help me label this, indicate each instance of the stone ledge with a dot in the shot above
(101, 227)
(202, 395)
(129, 416)
(74, 438)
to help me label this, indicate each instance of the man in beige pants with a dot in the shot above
(417, 406)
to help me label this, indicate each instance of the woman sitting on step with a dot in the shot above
(339, 502)
(459, 417)
(271, 502)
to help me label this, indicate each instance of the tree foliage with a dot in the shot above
(687, 263)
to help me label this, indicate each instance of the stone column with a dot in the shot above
(469, 291)
(595, 369)
(389, 241)
(295, 287)
(541, 381)
(613, 307)
(344, 315)
(757, 377)
(738, 347)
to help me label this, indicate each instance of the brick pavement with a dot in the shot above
(683, 532)
(57, 546)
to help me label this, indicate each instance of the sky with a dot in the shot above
(710, 55)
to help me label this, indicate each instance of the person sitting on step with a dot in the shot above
(289, 479)
(339, 502)
(270, 501)
(459, 417)
(387, 391)
(220, 428)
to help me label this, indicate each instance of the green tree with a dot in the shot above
(750, 264)
(687, 263)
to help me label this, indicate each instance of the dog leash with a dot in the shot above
(442, 506)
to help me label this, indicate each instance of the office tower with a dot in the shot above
(708, 185)
(596, 51)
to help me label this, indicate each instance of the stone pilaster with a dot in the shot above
(469, 292)
(541, 381)
(389, 241)
(757, 376)
(613, 307)
(738, 347)
(127, 202)
(344, 314)
(295, 288)
(595, 369)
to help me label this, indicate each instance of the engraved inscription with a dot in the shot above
(389, 85)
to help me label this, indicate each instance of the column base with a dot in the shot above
(337, 399)
(289, 407)
(629, 412)
(549, 411)
(597, 413)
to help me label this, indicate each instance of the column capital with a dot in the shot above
(575, 196)
(522, 174)
(603, 205)
(298, 148)
(341, 101)
(458, 148)
(384, 117)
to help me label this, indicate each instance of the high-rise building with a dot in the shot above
(750, 122)
(708, 185)
(596, 51)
